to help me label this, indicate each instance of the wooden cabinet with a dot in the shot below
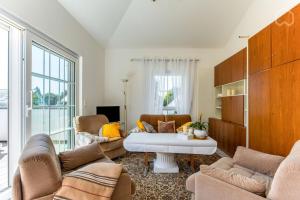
(226, 108)
(286, 38)
(228, 135)
(217, 76)
(233, 109)
(239, 65)
(259, 111)
(260, 51)
(223, 73)
(285, 115)
(274, 117)
(237, 110)
(231, 70)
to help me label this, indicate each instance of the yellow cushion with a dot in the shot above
(184, 126)
(111, 130)
(140, 125)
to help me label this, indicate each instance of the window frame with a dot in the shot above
(167, 109)
(34, 39)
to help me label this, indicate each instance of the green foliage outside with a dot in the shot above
(48, 99)
(168, 98)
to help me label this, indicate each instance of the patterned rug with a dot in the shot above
(161, 186)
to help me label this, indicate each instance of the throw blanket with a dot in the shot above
(95, 181)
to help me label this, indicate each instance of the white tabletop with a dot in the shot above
(168, 143)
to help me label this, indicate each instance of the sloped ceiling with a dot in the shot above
(164, 23)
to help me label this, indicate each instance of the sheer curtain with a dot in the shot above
(170, 77)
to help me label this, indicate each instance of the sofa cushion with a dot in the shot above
(111, 130)
(257, 161)
(166, 127)
(108, 146)
(227, 164)
(149, 128)
(184, 127)
(236, 177)
(286, 181)
(179, 119)
(152, 119)
(80, 156)
(140, 125)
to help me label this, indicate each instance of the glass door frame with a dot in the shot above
(6, 27)
(32, 38)
(15, 93)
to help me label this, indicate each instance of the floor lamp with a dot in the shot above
(125, 81)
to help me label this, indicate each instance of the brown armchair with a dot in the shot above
(87, 131)
(39, 174)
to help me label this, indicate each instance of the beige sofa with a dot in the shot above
(39, 174)
(153, 119)
(283, 175)
(91, 124)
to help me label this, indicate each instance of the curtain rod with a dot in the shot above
(167, 59)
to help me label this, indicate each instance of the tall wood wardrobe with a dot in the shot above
(274, 85)
(273, 91)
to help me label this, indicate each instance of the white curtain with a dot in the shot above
(163, 75)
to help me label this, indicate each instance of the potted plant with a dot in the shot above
(200, 128)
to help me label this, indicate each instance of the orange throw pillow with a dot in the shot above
(166, 127)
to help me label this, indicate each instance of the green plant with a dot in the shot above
(199, 125)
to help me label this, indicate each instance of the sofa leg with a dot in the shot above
(146, 163)
(146, 159)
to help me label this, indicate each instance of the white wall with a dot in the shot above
(119, 66)
(49, 17)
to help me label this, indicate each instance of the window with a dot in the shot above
(53, 96)
(169, 85)
(167, 91)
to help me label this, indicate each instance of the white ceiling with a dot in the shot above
(164, 23)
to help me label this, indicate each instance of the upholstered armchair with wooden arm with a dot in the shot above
(87, 131)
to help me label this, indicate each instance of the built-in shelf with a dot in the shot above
(219, 97)
(234, 89)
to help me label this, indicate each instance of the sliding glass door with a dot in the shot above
(52, 96)
(4, 42)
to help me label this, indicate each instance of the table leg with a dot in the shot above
(165, 163)
(146, 163)
(192, 162)
(146, 159)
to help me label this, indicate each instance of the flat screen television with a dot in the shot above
(111, 112)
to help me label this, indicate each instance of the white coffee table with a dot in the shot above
(166, 145)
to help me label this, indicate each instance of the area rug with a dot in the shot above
(161, 186)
